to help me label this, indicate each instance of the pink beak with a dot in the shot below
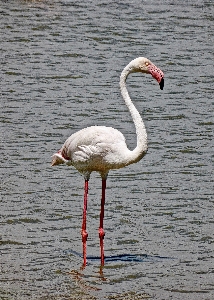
(157, 74)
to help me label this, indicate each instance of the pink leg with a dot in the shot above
(101, 231)
(84, 232)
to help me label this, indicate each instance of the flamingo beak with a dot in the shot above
(157, 74)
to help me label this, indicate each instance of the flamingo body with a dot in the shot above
(95, 148)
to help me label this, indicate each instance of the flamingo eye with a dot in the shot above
(147, 64)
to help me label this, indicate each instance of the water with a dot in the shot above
(60, 67)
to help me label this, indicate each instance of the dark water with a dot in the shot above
(60, 67)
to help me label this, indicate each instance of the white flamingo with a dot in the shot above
(100, 148)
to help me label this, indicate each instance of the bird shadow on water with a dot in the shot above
(122, 257)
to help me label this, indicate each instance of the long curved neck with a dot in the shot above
(141, 147)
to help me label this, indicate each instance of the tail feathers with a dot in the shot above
(58, 159)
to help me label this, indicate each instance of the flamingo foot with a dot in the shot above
(101, 236)
(84, 240)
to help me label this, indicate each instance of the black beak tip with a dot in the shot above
(161, 83)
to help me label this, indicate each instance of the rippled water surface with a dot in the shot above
(60, 67)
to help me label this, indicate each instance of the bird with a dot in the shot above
(102, 148)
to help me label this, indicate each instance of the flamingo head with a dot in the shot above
(144, 65)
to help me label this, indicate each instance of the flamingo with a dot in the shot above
(101, 148)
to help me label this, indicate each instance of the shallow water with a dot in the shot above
(61, 62)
